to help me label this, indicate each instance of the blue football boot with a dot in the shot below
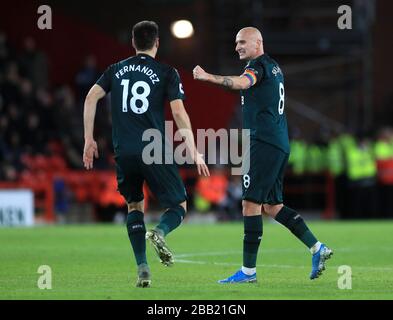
(240, 277)
(318, 261)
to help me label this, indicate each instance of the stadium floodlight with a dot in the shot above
(182, 29)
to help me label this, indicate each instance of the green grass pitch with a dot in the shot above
(96, 262)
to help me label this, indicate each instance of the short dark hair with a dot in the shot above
(145, 34)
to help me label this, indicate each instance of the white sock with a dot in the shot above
(315, 248)
(249, 271)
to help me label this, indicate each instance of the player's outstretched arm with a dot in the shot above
(231, 82)
(90, 150)
(184, 125)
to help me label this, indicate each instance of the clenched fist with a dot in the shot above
(200, 74)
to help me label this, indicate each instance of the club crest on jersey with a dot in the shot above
(276, 70)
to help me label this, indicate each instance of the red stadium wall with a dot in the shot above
(382, 58)
(70, 41)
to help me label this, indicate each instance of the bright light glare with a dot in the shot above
(182, 29)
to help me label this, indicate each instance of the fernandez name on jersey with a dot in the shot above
(146, 70)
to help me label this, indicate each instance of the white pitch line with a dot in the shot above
(287, 250)
(282, 266)
(235, 264)
(205, 254)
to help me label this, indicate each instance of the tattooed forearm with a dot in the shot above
(225, 81)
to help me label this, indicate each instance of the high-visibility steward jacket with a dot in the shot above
(315, 159)
(297, 157)
(383, 150)
(335, 158)
(361, 163)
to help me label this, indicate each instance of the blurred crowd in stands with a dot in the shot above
(39, 119)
